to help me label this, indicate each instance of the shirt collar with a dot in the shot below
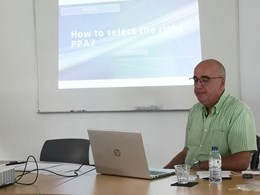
(218, 105)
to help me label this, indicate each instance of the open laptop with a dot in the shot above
(122, 154)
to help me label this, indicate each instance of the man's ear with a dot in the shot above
(222, 83)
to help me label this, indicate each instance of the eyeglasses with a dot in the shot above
(204, 80)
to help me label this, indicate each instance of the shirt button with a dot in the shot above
(201, 145)
(205, 130)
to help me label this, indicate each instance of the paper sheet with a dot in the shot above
(205, 174)
(254, 172)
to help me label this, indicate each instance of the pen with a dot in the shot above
(14, 163)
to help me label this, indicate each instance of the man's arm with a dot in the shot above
(235, 162)
(178, 159)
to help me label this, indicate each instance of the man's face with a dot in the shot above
(208, 85)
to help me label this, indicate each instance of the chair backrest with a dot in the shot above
(255, 157)
(66, 150)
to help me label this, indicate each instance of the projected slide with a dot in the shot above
(127, 43)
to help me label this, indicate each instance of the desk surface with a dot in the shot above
(112, 185)
(95, 184)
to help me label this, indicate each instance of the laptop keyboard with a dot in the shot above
(152, 172)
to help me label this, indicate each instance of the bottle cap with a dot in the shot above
(214, 148)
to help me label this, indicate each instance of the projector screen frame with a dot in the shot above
(162, 98)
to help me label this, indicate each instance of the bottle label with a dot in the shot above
(215, 163)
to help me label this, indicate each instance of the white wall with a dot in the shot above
(250, 55)
(23, 130)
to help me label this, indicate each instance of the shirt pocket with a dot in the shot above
(218, 138)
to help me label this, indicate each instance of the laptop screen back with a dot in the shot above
(119, 153)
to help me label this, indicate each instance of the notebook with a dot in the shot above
(122, 154)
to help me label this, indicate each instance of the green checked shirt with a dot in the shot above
(230, 127)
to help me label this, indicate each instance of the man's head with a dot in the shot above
(209, 82)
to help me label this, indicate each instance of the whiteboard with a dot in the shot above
(219, 39)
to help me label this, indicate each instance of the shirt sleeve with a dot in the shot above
(242, 135)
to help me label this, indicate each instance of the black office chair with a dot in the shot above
(66, 150)
(255, 157)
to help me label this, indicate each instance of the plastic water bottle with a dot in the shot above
(215, 176)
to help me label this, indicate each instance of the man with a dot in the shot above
(218, 119)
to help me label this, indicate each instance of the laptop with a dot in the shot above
(122, 154)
